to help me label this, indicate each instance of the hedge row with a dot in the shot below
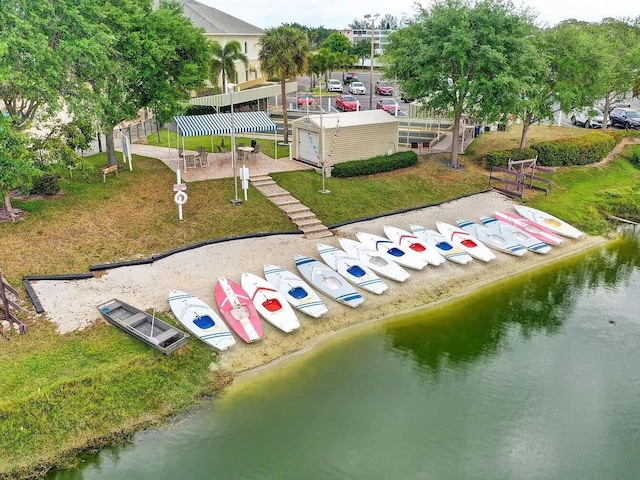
(590, 148)
(383, 163)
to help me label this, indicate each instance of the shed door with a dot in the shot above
(308, 146)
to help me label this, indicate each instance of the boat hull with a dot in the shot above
(352, 269)
(549, 221)
(492, 238)
(371, 258)
(529, 226)
(201, 320)
(238, 310)
(411, 242)
(516, 235)
(328, 281)
(269, 302)
(392, 251)
(296, 291)
(465, 241)
(438, 241)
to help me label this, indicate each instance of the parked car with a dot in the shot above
(347, 103)
(350, 78)
(406, 98)
(357, 88)
(306, 99)
(334, 85)
(383, 88)
(588, 117)
(625, 117)
(389, 105)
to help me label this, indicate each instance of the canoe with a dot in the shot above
(492, 238)
(408, 240)
(372, 259)
(392, 251)
(270, 303)
(549, 221)
(529, 226)
(144, 326)
(515, 234)
(354, 270)
(297, 292)
(202, 321)
(439, 242)
(328, 281)
(465, 241)
(238, 310)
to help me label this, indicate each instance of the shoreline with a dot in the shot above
(71, 304)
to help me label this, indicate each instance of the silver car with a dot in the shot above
(357, 88)
(588, 118)
(334, 85)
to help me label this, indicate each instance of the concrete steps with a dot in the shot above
(299, 214)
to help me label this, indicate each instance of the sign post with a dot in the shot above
(244, 176)
(181, 195)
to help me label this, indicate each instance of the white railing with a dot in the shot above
(243, 96)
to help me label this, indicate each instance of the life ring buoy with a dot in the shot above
(180, 198)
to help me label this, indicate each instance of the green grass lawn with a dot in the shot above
(60, 394)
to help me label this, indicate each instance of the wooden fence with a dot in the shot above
(519, 174)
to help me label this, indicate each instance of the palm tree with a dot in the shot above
(345, 61)
(224, 62)
(284, 54)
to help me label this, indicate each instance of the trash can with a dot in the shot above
(478, 130)
(487, 128)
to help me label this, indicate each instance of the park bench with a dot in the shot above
(107, 170)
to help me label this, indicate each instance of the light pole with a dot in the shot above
(368, 16)
(236, 200)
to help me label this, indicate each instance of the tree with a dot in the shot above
(284, 53)
(16, 169)
(361, 50)
(337, 43)
(388, 22)
(157, 57)
(462, 58)
(224, 60)
(345, 61)
(359, 24)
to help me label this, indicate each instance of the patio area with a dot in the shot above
(219, 163)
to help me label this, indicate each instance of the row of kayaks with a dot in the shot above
(366, 264)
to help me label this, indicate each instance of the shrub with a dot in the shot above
(383, 163)
(582, 150)
(199, 110)
(46, 184)
(634, 155)
(501, 158)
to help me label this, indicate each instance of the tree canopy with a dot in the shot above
(462, 57)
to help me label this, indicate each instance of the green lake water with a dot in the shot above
(535, 377)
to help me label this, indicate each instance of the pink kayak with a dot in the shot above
(238, 310)
(529, 226)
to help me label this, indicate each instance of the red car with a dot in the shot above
(347, 103)
(306, 98)
(389, 105)
(383, 88)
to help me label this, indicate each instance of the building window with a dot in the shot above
(245, 47)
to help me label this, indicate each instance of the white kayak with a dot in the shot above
(549, 221)
(408, 240)
(465, 241)
(372, 259)
(515, 234)
(328, 281)
(492, 238)
(269, 302)
(392, 251)
(438, 241)
(202, 321)
(297, 292)
(529, 226)
(354, 270)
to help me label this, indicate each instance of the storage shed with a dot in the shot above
(344, 136)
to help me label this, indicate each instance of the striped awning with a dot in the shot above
(220, 123)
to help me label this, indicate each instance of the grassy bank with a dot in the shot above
(61, 394)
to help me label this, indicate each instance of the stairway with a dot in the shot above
(299, 214)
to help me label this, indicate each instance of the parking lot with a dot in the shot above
(328, 100)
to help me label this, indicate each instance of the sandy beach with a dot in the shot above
(71, 304)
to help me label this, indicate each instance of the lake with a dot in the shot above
(535, 377)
